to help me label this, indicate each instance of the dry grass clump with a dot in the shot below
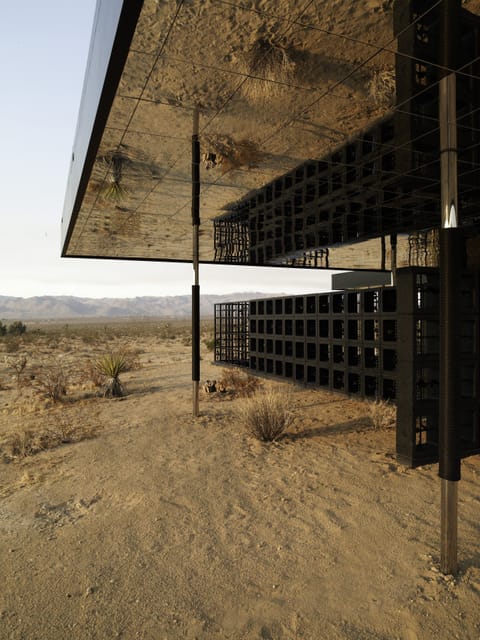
(270, 61)
(382, 87)
(239, 383)
(30, 441)
(266, 416)
(382, 414)
(231, 155)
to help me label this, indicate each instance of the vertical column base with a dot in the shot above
(196, 408)
(448, 528)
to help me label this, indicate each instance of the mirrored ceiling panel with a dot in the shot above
(319, 132)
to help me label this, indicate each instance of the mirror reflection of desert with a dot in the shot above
(125, 517)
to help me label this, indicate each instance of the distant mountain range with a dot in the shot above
(63, 307)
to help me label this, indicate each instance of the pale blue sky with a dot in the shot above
(43, 53)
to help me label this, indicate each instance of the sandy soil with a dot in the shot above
(160, 525)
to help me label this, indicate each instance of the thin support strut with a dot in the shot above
(196, 285)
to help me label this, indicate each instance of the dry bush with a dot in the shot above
(18, 366)
(238, 382)
(231, 154)
(267, 415)
(93, 375)
(270, 61)
(382, 87)
(30, 441)
(51, 381)
(382, 414)
(12, 344)
(209, 343)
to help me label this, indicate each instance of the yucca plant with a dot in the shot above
(113, 189)
(111, 366)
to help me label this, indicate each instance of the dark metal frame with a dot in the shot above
(371, 343)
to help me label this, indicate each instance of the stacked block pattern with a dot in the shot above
(373, 343)
(345, 341)
(231, 333)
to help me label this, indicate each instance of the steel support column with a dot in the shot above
(449, 454)
(196, 285)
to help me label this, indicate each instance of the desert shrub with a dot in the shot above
(93, 375)
(12, 343)
(3, 328)
(17, 328)
(233, 154)
(18, 367)
(30, 441)
(382, 87)
(209, 343)
(267, 415)
(240, 383)
(270, 60)
(110, 366)
(51, 381)
(382, 414)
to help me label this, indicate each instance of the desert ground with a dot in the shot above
(128, 518)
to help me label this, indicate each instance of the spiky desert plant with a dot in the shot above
(111, 366)
(113, 189)
(267, 415)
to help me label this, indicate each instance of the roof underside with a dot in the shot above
(153, 64)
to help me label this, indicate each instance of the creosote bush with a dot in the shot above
(51, 381)
(110, 366)
(18, 366)
(239, 382)
(267, 415)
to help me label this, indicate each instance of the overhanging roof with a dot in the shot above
(153, 63)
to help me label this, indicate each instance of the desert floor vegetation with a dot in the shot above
(127, 517)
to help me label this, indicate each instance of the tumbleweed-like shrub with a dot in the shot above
(382, 87)
(267, 415)
(51, 381)
(239, 383)
(270, 63)
(110, 366)
(382, 414)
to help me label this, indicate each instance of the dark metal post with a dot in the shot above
(449, 454)
(196, 285)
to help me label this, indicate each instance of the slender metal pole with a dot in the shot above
(196, 285)
(449, 454)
